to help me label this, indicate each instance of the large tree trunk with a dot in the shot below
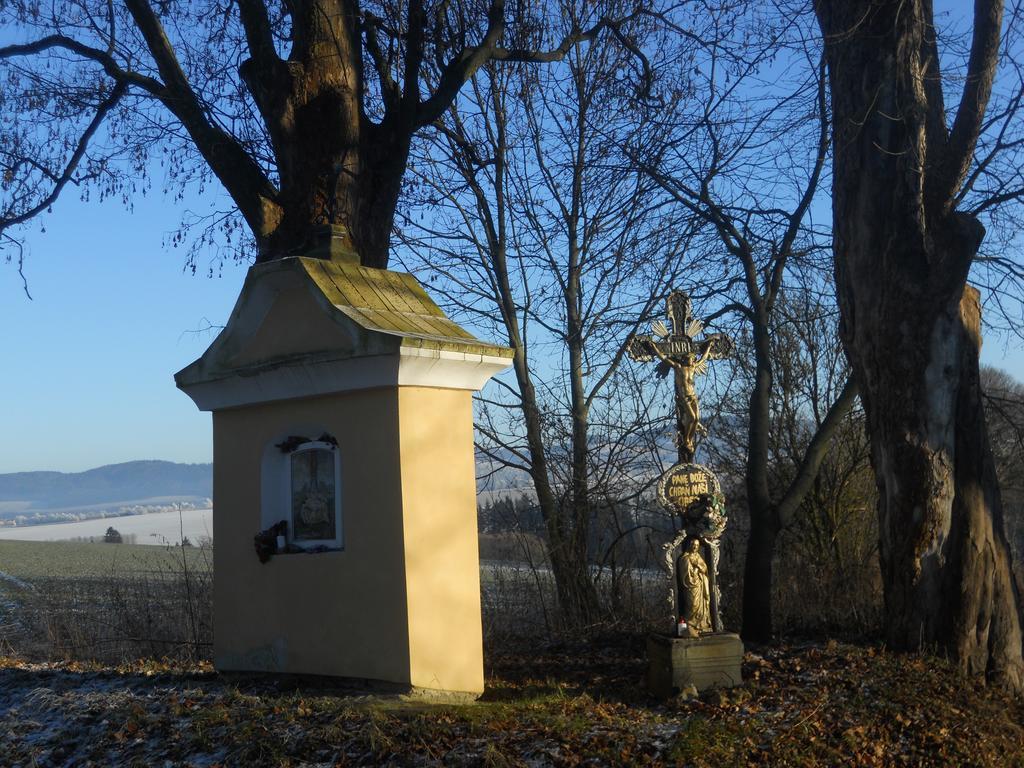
(764, 526)
(911, 330)
(339, 140)
(328, 190)
(757, 579)
(987, 630)
(945, 561)
(335, 166)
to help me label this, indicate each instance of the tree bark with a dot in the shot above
(578, 601)
(987, 629)
(335, 166)
(757, 578)
(764, 525)
(911, 328)
(339, 140)
(585, 604)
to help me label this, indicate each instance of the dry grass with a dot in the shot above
(106, 602)
(84, 701)
(558, 705)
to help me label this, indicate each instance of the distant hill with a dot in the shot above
(103, 485)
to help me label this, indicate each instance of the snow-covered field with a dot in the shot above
(153, 528)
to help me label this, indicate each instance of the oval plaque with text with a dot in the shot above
(685, 483)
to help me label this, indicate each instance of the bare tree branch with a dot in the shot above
(67, 175)
(242, 177)
(815, 453)
(946, 179)
(104, 58)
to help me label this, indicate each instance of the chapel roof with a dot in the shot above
(310, 315)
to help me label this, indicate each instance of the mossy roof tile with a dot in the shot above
(393, 303)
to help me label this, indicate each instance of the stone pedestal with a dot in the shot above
(711, 661)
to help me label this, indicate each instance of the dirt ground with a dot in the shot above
(575, 704)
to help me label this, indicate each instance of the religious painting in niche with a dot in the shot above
(313, 494)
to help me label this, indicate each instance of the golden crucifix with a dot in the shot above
(679, 350)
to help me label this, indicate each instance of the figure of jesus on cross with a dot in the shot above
(679, 350)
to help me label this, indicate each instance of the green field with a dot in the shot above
(31, 560)
(104, 602)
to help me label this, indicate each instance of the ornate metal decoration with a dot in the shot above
(683, 484)
(679, 350)
(688, 490)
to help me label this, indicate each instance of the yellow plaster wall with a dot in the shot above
(293, 325)
(336, 613)
(442, 556)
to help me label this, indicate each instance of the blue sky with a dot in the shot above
(87, 368)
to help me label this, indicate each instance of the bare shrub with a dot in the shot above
(834, 602)
(828, 577)
(125, 614)
(520, 600)
(512, 546)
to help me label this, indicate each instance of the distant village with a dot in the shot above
(46, 516)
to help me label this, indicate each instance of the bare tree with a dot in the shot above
(541, 231)
(830, 547)
(906, 236)
(749, 162)
(304, 111)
